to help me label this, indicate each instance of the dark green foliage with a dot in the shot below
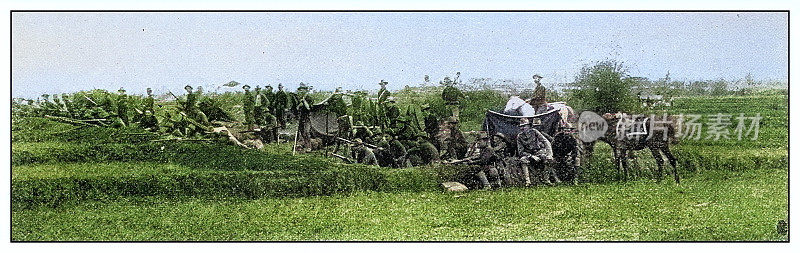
(605, 88)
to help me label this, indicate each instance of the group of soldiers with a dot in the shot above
(533, 160)
(372, 131)
(494, 160)
(377, 132)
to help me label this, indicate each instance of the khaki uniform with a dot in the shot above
(535, 151)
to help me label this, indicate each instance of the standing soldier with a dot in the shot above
(149, 101)
(362, 154)
(258, 110)
(431, 122)
(345, 127)
(539, 100)
(122, 107)
(535, 152)
(269, 93)
(249, 105)
(279, 106)
(357, 105)
(451, 96)
(383, 93)
(391, 114)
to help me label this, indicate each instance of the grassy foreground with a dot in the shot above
(108, 184)
(711, 206)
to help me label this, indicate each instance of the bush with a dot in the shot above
(605, 88)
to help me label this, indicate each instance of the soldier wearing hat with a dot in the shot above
(190, 107)
(483, 158)
(249, 106)
(535, 152)
(149, 101)
(279, 106)
(431, 122)
(452, 144)
(383, 93)
(424, 151)
(398, 153)
(122, 107)
(452, 96)
(362, 154)
(539, 99)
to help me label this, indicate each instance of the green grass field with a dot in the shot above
(102, 184)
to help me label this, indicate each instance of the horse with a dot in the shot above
(628, 133)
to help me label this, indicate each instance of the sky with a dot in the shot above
(66, 52)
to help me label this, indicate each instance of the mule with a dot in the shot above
(627, 134)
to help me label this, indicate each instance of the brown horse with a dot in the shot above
(627, 133)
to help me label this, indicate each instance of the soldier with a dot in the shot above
(249, 106)
(501, 149)
(425, 152)
(269, 128)
(392, 113)
(383, 93)
(362, 154)
(535, 152)
(451, 96)
(149, 121)
(431, 122)
(383, 154)
(361, 131)
(482, 155)
(451, 141)
(539, 100)
(190, 107)
(398, 152)
(405, 128)
(358, 105)
(279, 106)
(178, 127)
(149, 101)
(258, 110)
(346, 130)
(269, 93)
(122, 107)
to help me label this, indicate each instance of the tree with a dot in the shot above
(605, 88)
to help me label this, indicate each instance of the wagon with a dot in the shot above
(556, 126)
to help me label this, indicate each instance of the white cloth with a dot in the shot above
(516, 105)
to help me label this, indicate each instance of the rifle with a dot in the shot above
(365, 144)
(343, 158)
(90, 100)
(458, 161)
(160, 140)
(69, 121)
(181, 104)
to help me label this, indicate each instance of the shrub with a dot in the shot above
(603, 88)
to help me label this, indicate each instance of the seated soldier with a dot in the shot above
(483, 157)
(424, 152)
(362, 154)
(535, 151)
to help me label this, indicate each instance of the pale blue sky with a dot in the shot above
(64, 52)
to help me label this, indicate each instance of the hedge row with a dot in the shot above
(334, 179)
